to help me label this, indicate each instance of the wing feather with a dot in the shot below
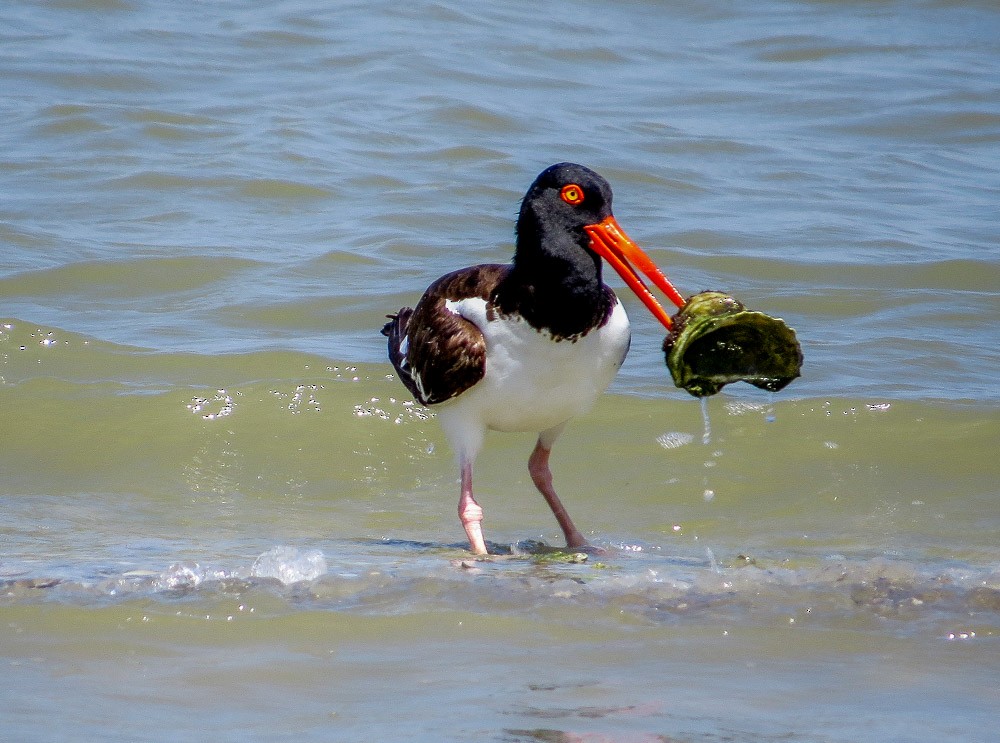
(437, 353)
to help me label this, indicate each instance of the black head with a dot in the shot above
(556, 278)
(563, 200)
(565, 229)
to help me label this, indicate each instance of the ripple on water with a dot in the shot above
(620, 584)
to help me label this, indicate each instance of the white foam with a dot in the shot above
(674, 439)
(289, 565)
(181, 575)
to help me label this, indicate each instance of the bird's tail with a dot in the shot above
(395, 330)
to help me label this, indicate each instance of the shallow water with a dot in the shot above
(224, 518)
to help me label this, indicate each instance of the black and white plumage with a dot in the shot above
(528, 345)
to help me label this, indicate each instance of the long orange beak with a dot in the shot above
(609, 241)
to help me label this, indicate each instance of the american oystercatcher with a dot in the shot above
(528, 345)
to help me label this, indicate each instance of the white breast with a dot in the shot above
(532, 382)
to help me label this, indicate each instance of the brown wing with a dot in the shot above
(437, 353)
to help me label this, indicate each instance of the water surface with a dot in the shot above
(224, 519)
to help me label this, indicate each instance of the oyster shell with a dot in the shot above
(716, 341)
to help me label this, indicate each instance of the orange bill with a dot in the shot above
(609, 241)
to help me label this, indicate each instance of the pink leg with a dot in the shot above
(541, 475)
(471, 513)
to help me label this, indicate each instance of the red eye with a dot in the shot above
(572, 194)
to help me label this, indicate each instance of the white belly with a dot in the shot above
(533, 383)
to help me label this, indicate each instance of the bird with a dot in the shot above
(528, 345)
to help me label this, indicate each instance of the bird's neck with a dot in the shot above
(555, 284)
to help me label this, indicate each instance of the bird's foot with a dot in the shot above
(472, 520)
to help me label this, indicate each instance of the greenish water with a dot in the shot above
(224, 519)
(278, 551)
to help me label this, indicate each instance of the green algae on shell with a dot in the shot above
(715, 340)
